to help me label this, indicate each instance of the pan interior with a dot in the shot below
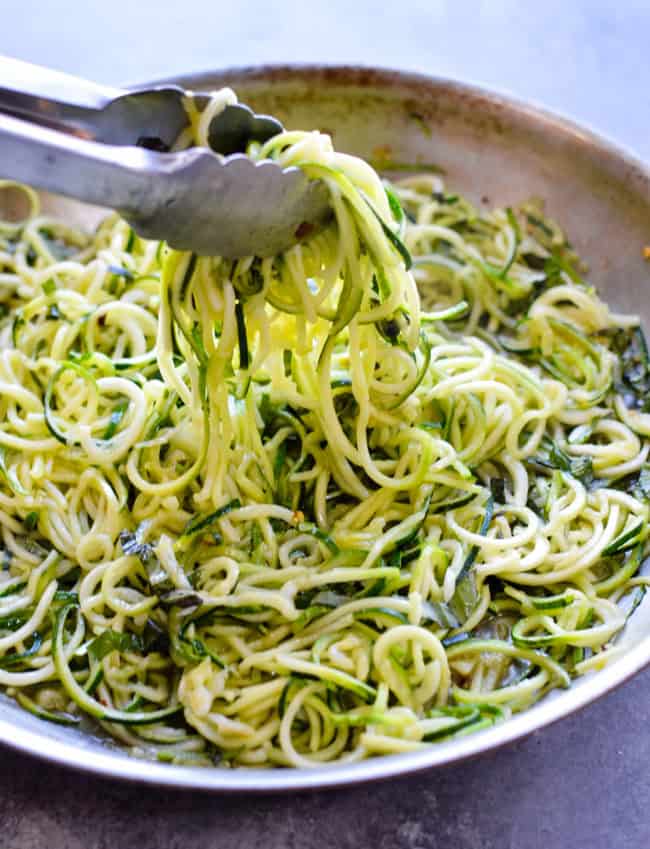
(496, 152)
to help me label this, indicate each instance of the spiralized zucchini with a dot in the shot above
(382, 490)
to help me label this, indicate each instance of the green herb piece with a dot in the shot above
(31, 520)
(116, 419)
(110, 640)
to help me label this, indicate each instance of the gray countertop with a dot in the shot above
(582, 783)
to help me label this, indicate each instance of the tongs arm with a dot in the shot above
(152, 117)
(106, 175)
(52, 98)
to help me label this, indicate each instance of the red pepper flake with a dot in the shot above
(305, 229)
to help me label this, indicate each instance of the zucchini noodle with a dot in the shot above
(382, 490)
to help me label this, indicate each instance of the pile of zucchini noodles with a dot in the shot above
(282, 511)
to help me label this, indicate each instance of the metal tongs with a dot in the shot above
(109, 147)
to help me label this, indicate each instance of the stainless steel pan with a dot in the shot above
(496, 151)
